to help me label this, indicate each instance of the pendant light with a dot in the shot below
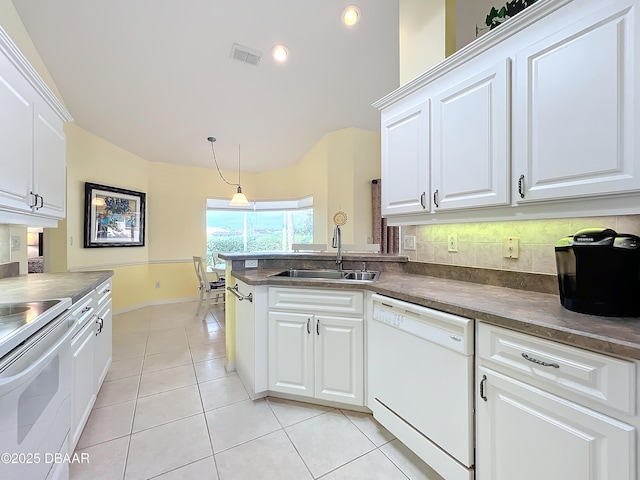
(239, 199)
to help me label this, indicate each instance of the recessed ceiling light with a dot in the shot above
(280, 53)
(350, 15)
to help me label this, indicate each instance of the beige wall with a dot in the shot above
(427, 35)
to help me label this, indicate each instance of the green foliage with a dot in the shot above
(496, 17)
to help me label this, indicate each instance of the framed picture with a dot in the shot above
(114, 217)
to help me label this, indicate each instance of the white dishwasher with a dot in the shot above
(420, 382)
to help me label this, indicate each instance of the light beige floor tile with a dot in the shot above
(372, 466)
(204, 469)
(211, 369)
(332, 434)
(127, 351)
(206, 338)
(164, 380)
(164, 323)
(107, 423)
(131, 326)
(124, 368)
(271, 457)
(290, 412)
(407, 461)
(202, 327)
(162, 345)
(222, 391)
(368, 425)
(238, 423)
(167, 447)
(105, 461)
(174, 332)
(117, 391)
(167, 407)
(130, 338)
(209, 352)
(162, 361)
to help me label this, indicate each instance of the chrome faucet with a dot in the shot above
(337, 243)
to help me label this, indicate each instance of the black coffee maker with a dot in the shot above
(599, 272)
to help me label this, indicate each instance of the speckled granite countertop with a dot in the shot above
(538, 314)
(42, 286)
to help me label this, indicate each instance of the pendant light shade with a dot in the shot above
(239, 199)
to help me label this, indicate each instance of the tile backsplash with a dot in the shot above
(480, 244)
(5, 243)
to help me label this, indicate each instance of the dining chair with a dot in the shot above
(206, 286)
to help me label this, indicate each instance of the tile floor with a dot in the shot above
(169, 410)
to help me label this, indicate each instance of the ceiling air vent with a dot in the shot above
(244, 54)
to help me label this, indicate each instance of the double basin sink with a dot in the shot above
(347, 275)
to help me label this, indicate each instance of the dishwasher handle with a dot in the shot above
(239, 295)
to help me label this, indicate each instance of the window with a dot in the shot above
(262, 227)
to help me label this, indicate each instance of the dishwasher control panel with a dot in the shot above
(450, 331)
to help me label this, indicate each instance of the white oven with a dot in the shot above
(420, 374)
(35, 387)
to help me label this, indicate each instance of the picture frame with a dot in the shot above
(114, 217)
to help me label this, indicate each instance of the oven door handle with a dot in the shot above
(9, 383)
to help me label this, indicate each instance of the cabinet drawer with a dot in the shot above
(317, 301)
(103, 292)
(83, 310)
(559, 368)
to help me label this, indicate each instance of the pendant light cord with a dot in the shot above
(218, 166)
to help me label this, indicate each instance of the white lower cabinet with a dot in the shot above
(83, 383)
(314, 354)
(529, 433)
(91, 348)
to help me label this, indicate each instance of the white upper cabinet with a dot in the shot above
(16, 145)
(470, 166)
(538, 118)
(405, 158)
(32, 142)
(575, 107)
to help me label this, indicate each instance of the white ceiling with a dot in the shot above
(155, 77)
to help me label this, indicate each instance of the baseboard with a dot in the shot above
(137, 306)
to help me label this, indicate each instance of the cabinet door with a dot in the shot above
(291, 353)
(16, 142)
(104, 333)
(49, 162)
(83, 383)
(405, 160)
(339, 359)
(529, 434)
(575, 113)
(470, 141)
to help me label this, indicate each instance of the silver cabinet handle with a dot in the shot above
(539, 362)
(239, 295)
(435, 198)
(318, 326)
(308, 323)
(521, 186)
(482, 383)
(424, 194)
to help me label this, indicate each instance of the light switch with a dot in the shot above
(409, 242)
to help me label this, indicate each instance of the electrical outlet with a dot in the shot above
(511, 247)
(251, 264)
(409, 242)
(15, 243)
(157, 284)
(452, 243)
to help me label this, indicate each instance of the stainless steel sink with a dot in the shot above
(368, 276)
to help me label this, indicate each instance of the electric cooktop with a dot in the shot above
(18, 321)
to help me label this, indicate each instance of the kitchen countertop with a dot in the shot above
(42, 286)
(539, 314)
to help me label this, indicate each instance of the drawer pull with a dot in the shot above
(539, 362)
(482, 382)
(308, 329)
(86, 309)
